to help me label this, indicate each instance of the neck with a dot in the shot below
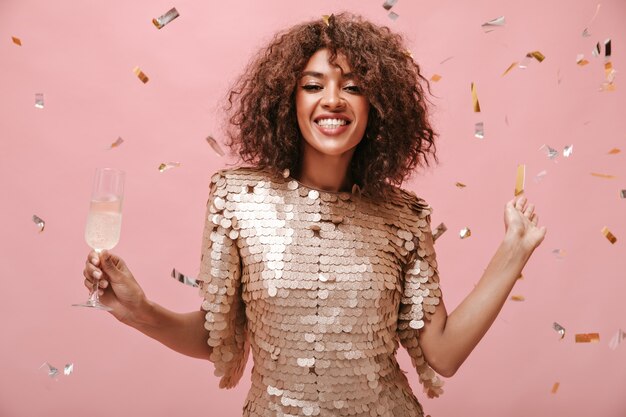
(325, 172)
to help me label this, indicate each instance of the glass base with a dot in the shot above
(94, 304)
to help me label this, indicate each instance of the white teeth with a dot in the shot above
(331, 122)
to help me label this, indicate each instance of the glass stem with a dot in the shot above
(94, 298)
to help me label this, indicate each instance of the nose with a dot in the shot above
(332, 98)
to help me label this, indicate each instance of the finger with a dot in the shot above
(93, 257)
(535, 219)
(529, 210)
(521, 201)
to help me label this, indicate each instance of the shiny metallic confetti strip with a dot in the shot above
(607, 48)
(68, 369)
(393, 15)
(168, 165)
(465, 233)
(475, 103)
(586, 30)
(617, 339)
(614, 151)
(435, 78)
(16, 41)
(216, 147)
(559, 329)
(540, 176)
(140, 74)
(438, 231)
(520, 179)
(52, 371)
(492, 24)
(587, 337)
(513, 65)
(39, 222)
(555, 388)
(39, 100)
(117, 143)
(580, 60)
(605, 176)
(479, 130)
(597, 50)
(184, 278)
(609, 235)
(622, 193)
(517, 297)
(460, 185)
(326, 19)
(319, 302)
(388, 4)
(163, 20)
(551, 153)
(567, 151)
(537, 55)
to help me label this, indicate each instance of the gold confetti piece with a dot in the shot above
(479, 130)
(140, 74)
(39, 100)
(567, 151)
(68, 369)
(555, 387)
(438, 231)
(559, 253)
(465, 233)
(605, 176)
(326, 19)
(622, 193)
(492, 24)
(520, 179)
(540, 176)
(614, 151)
(163, 20)
(16, 41)
(388, 4)
(517, 298)
(169, 165)
(408, 53)
(39, 222)
(607, 48)
(537, 55)
(393, 16)
(559, 329)
(216, 147)
(460, 185)
(617, 339)
(609, 235)
(117, 143)
(513, 65)
(435, 78)
(184, 278)
(475, 103)
(587, 337)
(580, 60)
(52, 371)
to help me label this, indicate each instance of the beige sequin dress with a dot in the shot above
(322, 287)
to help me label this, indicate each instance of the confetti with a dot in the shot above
(475, 103)
(607, 48)
(163, 20)
(117, 143)
(393, 15)
(52, 371)
(567, 151)
(520, 179)
(184, 278)
(559, 253)
(39, 100)
(622, 193)
(465, 233)
(605, 176)
(597, 50)
(609, 235)
(555, 387)
(517, 297)
(140, 74)
(614, 151)
(540, 176)
(435, 78)
(168, 165)
(326, 19)
(559, 329)
(587, 337)
(609, 73)
(216, 147)
(492, 24)
(460, 185)
(479, 130)
(438, 231)
(446, 60)
(513, 65)
(39, 222)
(388, 4)
(537, 55)
(580, 60)
(68, 369)
(16, 41)
(617, 339)
(586, 31)
(551, 153)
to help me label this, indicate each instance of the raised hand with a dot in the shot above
(520, 222)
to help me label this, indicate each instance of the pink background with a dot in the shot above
(81, 54)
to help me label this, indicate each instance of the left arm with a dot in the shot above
(447, 340)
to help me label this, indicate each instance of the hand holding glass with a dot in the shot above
(104, 221)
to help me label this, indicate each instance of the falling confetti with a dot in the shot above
(140, 74)
(551, 153)
(438, 231)
(166, 18)
(622, 193)
(586, 30)
(492, 24)
(68, 369)
(460, 185)
(555, 387)
(607, 48)
(465, 233)
(168, 165)
(16, 41)
(609, 235)
(559, 329)
(617, 339)
(529, 56)
(587, 337)
(517, 298)
(435, 78)
(184, 278)
(388, 4)
(559, 253)
(475, 103)
(393, 15)
(609, 73)
(580, 60)
(597, 50)
(52, 371)
(513, 65)
(540, 176)
(216, 147)
(326, 19)
(479, 130)
(567, 151)
(520, 179)
(446, 60)
(605, 176)
(39, 222)
(117, 143)
(614, 151)
(39, 100)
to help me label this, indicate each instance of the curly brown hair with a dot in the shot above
(264, 130)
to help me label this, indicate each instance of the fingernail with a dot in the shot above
(94, 261)
(102, 283)
(96, 274)
(100, 292)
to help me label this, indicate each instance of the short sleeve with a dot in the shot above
(420, 296)
(219, 280)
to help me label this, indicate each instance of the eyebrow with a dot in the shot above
(320, 75)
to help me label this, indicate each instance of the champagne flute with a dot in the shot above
(104, 220)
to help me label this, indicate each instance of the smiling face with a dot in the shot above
(332, 111)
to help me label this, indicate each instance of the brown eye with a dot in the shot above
(311, 87)
(353, 89)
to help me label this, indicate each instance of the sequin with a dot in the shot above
(322, 288)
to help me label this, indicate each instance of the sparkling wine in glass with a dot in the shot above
(104, 220)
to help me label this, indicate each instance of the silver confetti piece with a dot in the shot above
(551, 152)
(117, 143)
(597, 50)
(622, 193)
(465, 233)
(39, 100)
(216, 147)
(163, 20)
(184, 278)
(586, 33)
(492, 24)
(560, 329)
(438, 231)
(393, 16)
(68, 369)
(52, 371)
(617, 339)
(39, 222)
(479, 130)
(568, 151)
(389, 4)
(540, 176)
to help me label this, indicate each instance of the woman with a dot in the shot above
(324, 272)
